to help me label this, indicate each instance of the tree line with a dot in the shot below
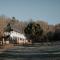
(35, 32)
(32, 30)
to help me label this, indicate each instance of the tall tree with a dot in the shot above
(33, 31)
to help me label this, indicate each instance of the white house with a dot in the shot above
(18, 37)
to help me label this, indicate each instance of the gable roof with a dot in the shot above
(16, 34)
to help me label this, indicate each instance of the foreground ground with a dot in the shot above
(51, 52)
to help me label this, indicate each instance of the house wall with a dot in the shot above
(24, 42)
(6, 42)
(0, 42)
(17, 38)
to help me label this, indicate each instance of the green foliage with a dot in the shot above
(33, 30)
(50, 35)
(8, 28)
(13, 18)
(57, 35)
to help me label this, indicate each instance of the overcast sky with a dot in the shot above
(48, 10)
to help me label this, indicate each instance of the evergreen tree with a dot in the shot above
(8, 28)
(33, 31)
